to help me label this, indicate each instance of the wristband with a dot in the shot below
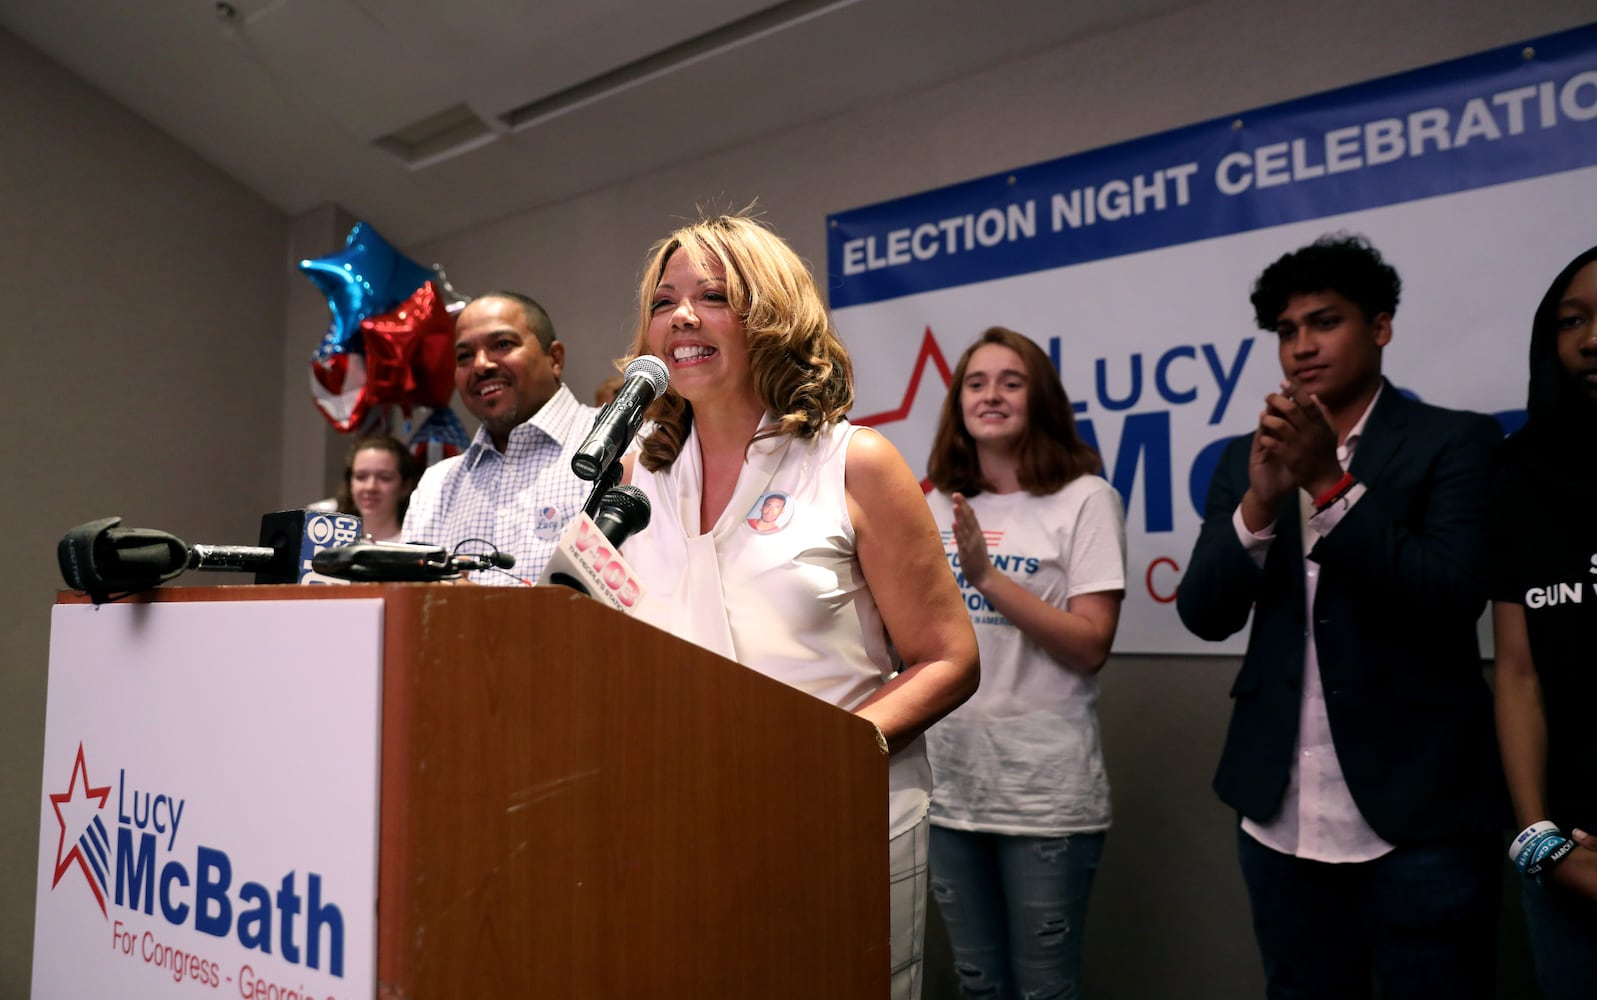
(1536, 847)
(1527, 835)
(1530, 859)
(1336, 492)
(1541, 866)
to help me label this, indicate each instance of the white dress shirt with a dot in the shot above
(1318, 819)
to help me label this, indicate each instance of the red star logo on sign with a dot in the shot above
(929, 354)
(75, 804)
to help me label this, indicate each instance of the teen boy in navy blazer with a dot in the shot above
(1360, 754)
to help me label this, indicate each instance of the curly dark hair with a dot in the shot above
(1337, 262)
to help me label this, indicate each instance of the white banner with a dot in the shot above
(1142, 300)
(209, 812)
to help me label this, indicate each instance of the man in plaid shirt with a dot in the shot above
(513, 488)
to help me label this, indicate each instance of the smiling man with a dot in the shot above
(1360, 756)
(513, 487)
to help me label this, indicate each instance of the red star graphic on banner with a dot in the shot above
(64, 859)
(929, 353)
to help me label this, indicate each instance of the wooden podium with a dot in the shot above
(577, 805)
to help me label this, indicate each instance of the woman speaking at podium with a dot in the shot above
(782, 536)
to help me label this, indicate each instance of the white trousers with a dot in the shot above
(907, 873)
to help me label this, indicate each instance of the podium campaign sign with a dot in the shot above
(209, 810)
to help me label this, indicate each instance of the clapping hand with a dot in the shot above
(1294, 446)
(973, 559)
(1297, 441)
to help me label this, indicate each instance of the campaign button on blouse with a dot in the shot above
(770, 513)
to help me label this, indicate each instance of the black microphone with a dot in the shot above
(623, 512)
(295, 536)
(288, 541)
(102, 558)
(587, 557)
(242, 558)
(393, 562)
(484, 560)
(616, 424)
(384, 562)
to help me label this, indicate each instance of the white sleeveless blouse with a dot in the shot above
(782, 594)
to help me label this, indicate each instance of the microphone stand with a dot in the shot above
(606, 482)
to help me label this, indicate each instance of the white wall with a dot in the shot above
(144, 296)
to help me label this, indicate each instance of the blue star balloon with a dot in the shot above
(366, 278)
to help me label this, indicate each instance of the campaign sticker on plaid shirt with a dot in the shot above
(549, 524)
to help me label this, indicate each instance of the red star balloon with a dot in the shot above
(410, 352)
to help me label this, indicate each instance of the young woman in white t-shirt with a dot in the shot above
(1020, 803)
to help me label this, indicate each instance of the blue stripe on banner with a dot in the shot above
(101, 840)
(94, 859)
(1517, 112)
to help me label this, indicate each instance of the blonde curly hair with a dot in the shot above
(801, 369)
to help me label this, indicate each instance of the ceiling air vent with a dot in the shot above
(744, 31)
(437, 138)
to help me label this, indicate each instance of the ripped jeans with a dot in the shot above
(1015, 909)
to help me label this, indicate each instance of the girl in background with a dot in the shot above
(1037, 543)
(379, 475)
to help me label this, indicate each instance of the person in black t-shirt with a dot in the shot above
(1541, 564)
